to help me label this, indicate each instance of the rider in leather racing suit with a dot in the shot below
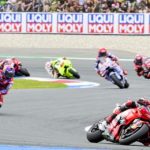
(103, 53)
(11, 62)
(4, 62)
(6, 81)
(139, 66)
(51, 65)
(127, 105)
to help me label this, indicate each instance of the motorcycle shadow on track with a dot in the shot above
(125, 146)
(112, 88)
(10, 115)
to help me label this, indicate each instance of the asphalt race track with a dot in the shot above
(57, 117)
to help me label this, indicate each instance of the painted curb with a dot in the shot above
(68, 82)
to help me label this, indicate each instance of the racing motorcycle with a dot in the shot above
(147, 65)
(19, 69)
(132, 126)
(16, 64)
(65, 70)
(108, 69)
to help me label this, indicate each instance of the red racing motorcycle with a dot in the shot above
(128, 127)
(16, 63)
(19, 70)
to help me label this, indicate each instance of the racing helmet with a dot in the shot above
(102, 52)
(16, 61)
(64, 58)
(138, 60)
(9, 72)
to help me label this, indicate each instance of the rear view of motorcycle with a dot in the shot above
(113, 72)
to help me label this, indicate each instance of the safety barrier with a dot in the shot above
(75, 23)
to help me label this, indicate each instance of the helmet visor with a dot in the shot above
(9, 73)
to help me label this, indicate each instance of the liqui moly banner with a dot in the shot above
(10, 22)
(100, 23)
(69, 23)
(38, 23)
(131, 23)
(75, 23)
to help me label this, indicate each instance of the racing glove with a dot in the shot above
(114, 59)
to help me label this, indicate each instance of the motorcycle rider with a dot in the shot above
(4, 62)
(10, 61)
(6, 81)
(104, 53)
(127, 105)
(139, 66)
(54, 64)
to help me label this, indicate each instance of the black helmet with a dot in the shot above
(138, 60)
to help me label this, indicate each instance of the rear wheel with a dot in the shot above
(127, 138)
(116, 81)
(74, 73)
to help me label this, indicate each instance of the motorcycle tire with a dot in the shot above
(116, 81)
(126, 85)
(134, 137)
(24, 72)
(74, 73)
(94, 135)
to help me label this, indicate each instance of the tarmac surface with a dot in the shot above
(57, 117)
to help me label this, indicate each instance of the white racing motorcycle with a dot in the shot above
(113, 72)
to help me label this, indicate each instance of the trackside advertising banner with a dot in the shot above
(131, 23)
(38, 23)
(75, 23)
(69, 23)
(100, 23)
(11, 22)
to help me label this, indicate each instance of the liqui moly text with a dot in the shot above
(39, 22)
(69, 23)
(10, 22)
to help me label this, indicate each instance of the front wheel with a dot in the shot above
(116, 81)
(22, 72)
(74, 73)
(128, 138)
(126, 85)
(94, 135)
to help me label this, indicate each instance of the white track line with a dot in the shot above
(45, 57)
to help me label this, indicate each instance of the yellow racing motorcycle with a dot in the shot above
(64, 68)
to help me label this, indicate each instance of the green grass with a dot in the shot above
(32, 84)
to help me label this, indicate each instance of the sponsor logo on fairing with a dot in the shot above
(10, 22)
(39, 22)
(69, 23)
(131, 23)
(100, 23)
